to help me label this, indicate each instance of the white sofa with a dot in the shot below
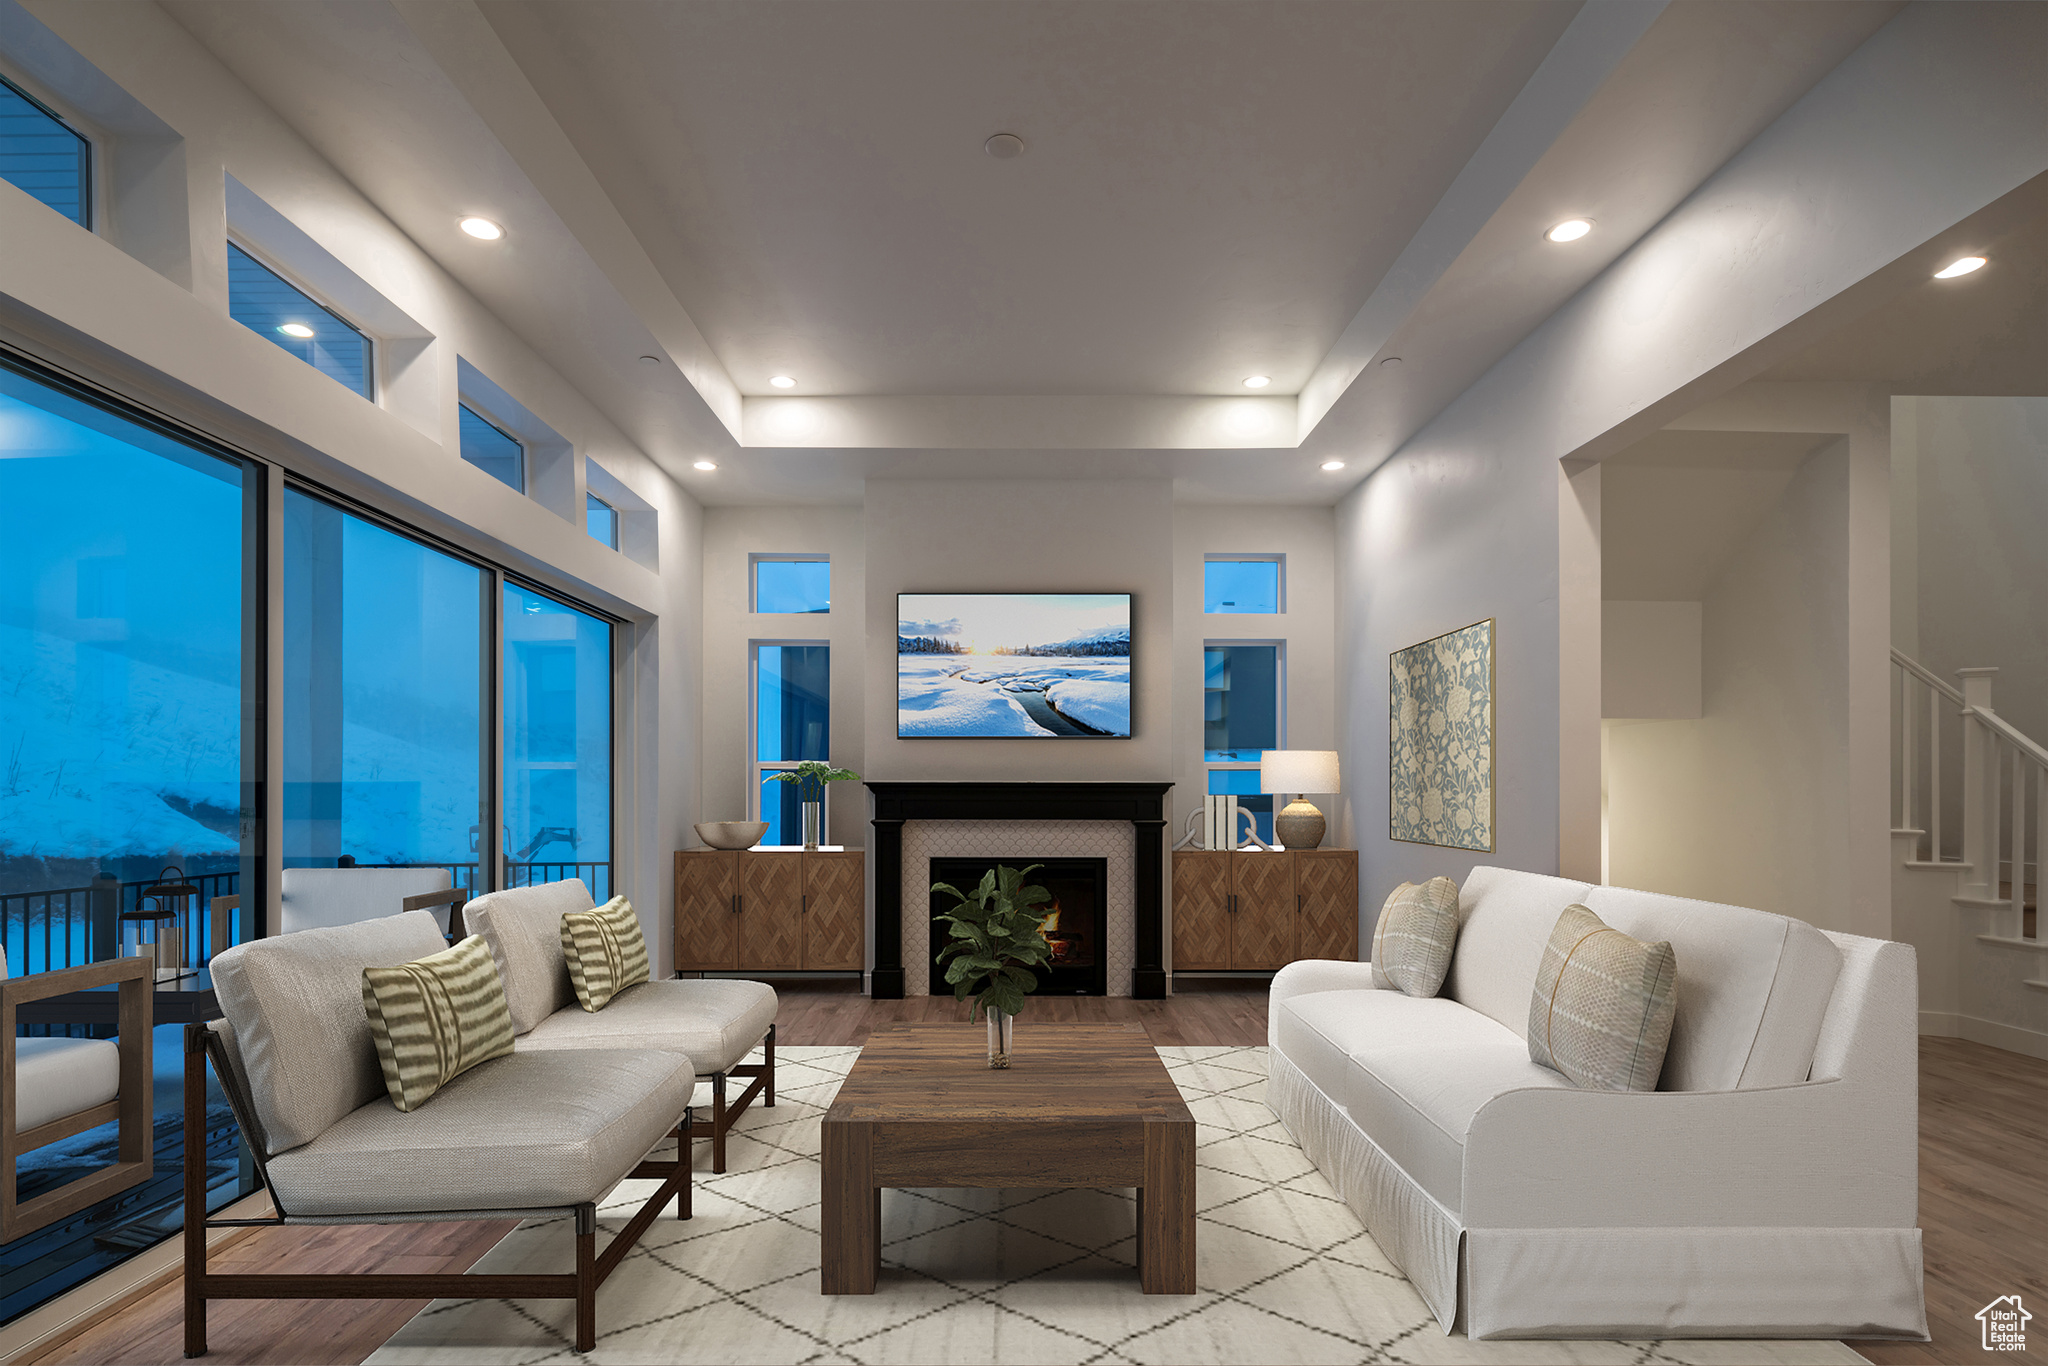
(1768, 1188)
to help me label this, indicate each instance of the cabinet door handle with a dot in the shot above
(1230, 903)
(1298, 899)
(736, 903)
(803, 905)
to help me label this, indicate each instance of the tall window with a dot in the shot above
(792, 723)
(126, 744)
(558, 742)
(42, 156)
(1241, 583)
(280, 312)
(792, 583)
(492, 449)
(1241, 719)
(602, 519)
(383, 697)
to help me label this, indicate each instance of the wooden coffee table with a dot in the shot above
(1081, 1105)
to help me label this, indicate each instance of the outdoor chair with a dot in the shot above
(52, 1089)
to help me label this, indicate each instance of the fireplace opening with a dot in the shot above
(1075, 922)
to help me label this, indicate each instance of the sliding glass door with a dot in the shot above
(384, 701)
(558, 742)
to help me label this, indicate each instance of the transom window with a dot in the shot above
(283, 314)
(602, 519)
(1241, 583)
(1241, 719)
(792, 583)
(492, 449)
(42, 156)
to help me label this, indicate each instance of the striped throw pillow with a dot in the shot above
(1602, 1010)
(605, 950)
(435, 1018)
(1412, 943)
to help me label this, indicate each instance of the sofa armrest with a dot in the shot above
(1307, 975)
(1815, 1154)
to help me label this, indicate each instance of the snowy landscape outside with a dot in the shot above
(1026, 665)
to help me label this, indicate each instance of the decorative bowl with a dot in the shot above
(732, 834)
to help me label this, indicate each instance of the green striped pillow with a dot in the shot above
(605, 950)
(435, 1018)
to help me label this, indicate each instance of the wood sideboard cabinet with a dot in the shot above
(1259, 910)
(775, 910)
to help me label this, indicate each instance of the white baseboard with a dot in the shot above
(1945, 1024)
(2011, 1038)
(80, 1307)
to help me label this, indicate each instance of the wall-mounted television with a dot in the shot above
(987, 666)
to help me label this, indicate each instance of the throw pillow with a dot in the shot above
(1411, 945)
(436, 1017)
(1601, 1013)
(606, 952)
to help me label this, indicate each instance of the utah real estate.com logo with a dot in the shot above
(2005, 1324)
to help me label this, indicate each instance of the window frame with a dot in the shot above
(610, 510)
(756, 558)
(92, 193)
(372, 361)
(1209, 765)
(1277, 559)
(757, 768)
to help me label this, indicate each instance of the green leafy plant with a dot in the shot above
(995, 940)
(810, 778)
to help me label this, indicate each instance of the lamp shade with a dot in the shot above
(1298, 770)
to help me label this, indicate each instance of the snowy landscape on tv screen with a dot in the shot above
(1028, 665)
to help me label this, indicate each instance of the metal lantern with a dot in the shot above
(169, 892)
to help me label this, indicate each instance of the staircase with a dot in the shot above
(1970, 824)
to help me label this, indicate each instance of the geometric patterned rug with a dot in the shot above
(1286, 1273)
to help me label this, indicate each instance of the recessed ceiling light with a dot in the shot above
(1961, 266)
(1004, 146)
(650, 360)
(1390, 363)
(782, 381)
(1333, 464)
(706, 465)
(295, 329)
(1257, 381)
(1571, 230)
(483, 229)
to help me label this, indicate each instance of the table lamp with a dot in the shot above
(1300, 826)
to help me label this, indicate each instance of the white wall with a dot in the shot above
(158, 331)
(731, 534)
(1650, 660)
(1841, 200)
(1749, 803)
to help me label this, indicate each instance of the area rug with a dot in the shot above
(1286, 1272)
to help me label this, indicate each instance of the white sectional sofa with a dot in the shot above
(1768, 1188)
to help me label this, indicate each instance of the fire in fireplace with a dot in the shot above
(1076, 923)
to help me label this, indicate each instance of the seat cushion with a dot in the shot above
(715, 1022)
(435, 1018)
(605, 952)
(1601, 1011)
(1504, 920)
(296, 1004)
(526, 1131)
(1752, 987)
(523, 926)
(58, 1077)
(1410, 1071)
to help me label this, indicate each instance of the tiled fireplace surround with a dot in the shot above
(917, 822)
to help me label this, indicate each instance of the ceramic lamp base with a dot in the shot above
(1299, 825)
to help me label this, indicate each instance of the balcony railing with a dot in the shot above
(63, 926)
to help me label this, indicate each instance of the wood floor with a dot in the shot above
(1983, 1195)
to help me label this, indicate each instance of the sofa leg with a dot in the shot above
(768, 1058)
(683, 1209)
(586, 1278)
(195, 1191)
(718, 1123)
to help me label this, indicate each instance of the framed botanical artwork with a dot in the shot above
(1440, 717)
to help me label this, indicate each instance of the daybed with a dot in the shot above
(1768, 1188)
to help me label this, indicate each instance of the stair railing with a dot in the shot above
(1920, 692)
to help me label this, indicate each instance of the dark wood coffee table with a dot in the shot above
(1081, 1105)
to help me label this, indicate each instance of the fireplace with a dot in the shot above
(1076, 920)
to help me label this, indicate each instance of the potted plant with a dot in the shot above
(810, 778)
(996, 939)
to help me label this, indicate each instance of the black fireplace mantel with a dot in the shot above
(1142, 804)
